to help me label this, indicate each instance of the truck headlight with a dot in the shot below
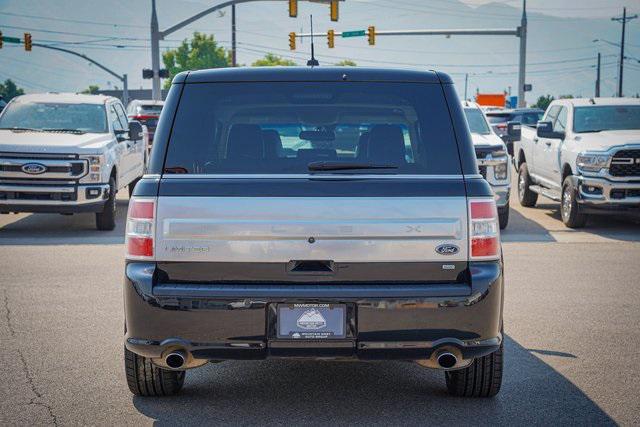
(592, 162)
(95, 168)
(500, 171)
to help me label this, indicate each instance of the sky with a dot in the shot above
(561, 52)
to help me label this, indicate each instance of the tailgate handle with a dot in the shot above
(310, 267)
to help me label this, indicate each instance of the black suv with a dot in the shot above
(313, 213)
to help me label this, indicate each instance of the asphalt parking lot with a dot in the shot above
(571, 319)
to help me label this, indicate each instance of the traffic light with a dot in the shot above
(331, 36)
(27, 42)
(371, 35)
(292, 41)
(334, 10)
(293, 8)
(0, 39)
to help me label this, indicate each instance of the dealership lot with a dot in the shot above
(571, 316)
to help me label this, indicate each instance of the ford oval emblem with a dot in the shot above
(34, 168)
(447, 249)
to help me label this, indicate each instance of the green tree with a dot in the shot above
(346, 63)
(9, 90)
(543, 102)
(271, 60)
(91, 90)
(201, 52)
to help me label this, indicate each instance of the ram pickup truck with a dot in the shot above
(493, 159)
(262, 231)
(68, 153)
(585, 153)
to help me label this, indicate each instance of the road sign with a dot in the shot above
(11, 39)
(358, 33)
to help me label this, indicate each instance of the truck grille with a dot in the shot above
(625, 163)
(66, 193)
(53, 166)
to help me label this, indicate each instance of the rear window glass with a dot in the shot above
(283, 127)
(149, 109)
(498, 118)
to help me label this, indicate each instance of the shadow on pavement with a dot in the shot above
(56, 229)
(325, 393)
(523, 229)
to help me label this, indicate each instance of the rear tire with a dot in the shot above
(482, 378)
(526, 197)
(106, 220)
(503, 216)
(569, 207)
(146, 379)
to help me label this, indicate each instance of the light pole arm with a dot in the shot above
(123, 78)
(205, 12)
(85, 57)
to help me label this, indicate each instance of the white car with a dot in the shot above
(493, 159)
(585, 153)
(68, 153)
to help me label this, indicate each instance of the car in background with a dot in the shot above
(68, 153)
(585, 154)
(524, 116)
(147, 112)
(493, 159)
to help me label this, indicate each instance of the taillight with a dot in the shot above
(502, 126)
(484, 229)
(140, 228)
(144, 117)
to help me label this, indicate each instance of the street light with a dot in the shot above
(606, 41)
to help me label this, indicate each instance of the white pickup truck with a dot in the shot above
(585, 153)
(68, 153)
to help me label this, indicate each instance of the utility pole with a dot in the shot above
(598, 77)
(522, 33)
(624, 20)
(233, 36)
(155, 54)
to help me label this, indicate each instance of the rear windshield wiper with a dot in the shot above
(337, 166)
(63, 130)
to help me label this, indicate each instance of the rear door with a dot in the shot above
(261, 183)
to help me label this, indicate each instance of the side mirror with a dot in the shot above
(135, 130)
(545, 130)
(514, 131)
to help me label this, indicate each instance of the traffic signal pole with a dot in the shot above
(520, 32)
(157, 35)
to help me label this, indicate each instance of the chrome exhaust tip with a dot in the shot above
(447, 360)
(176, 359)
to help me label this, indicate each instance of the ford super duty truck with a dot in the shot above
(585, 153)
(68, 153)
(494, 161)
(317, 213)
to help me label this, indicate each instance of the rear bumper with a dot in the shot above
(53, 199)
(398, 321)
